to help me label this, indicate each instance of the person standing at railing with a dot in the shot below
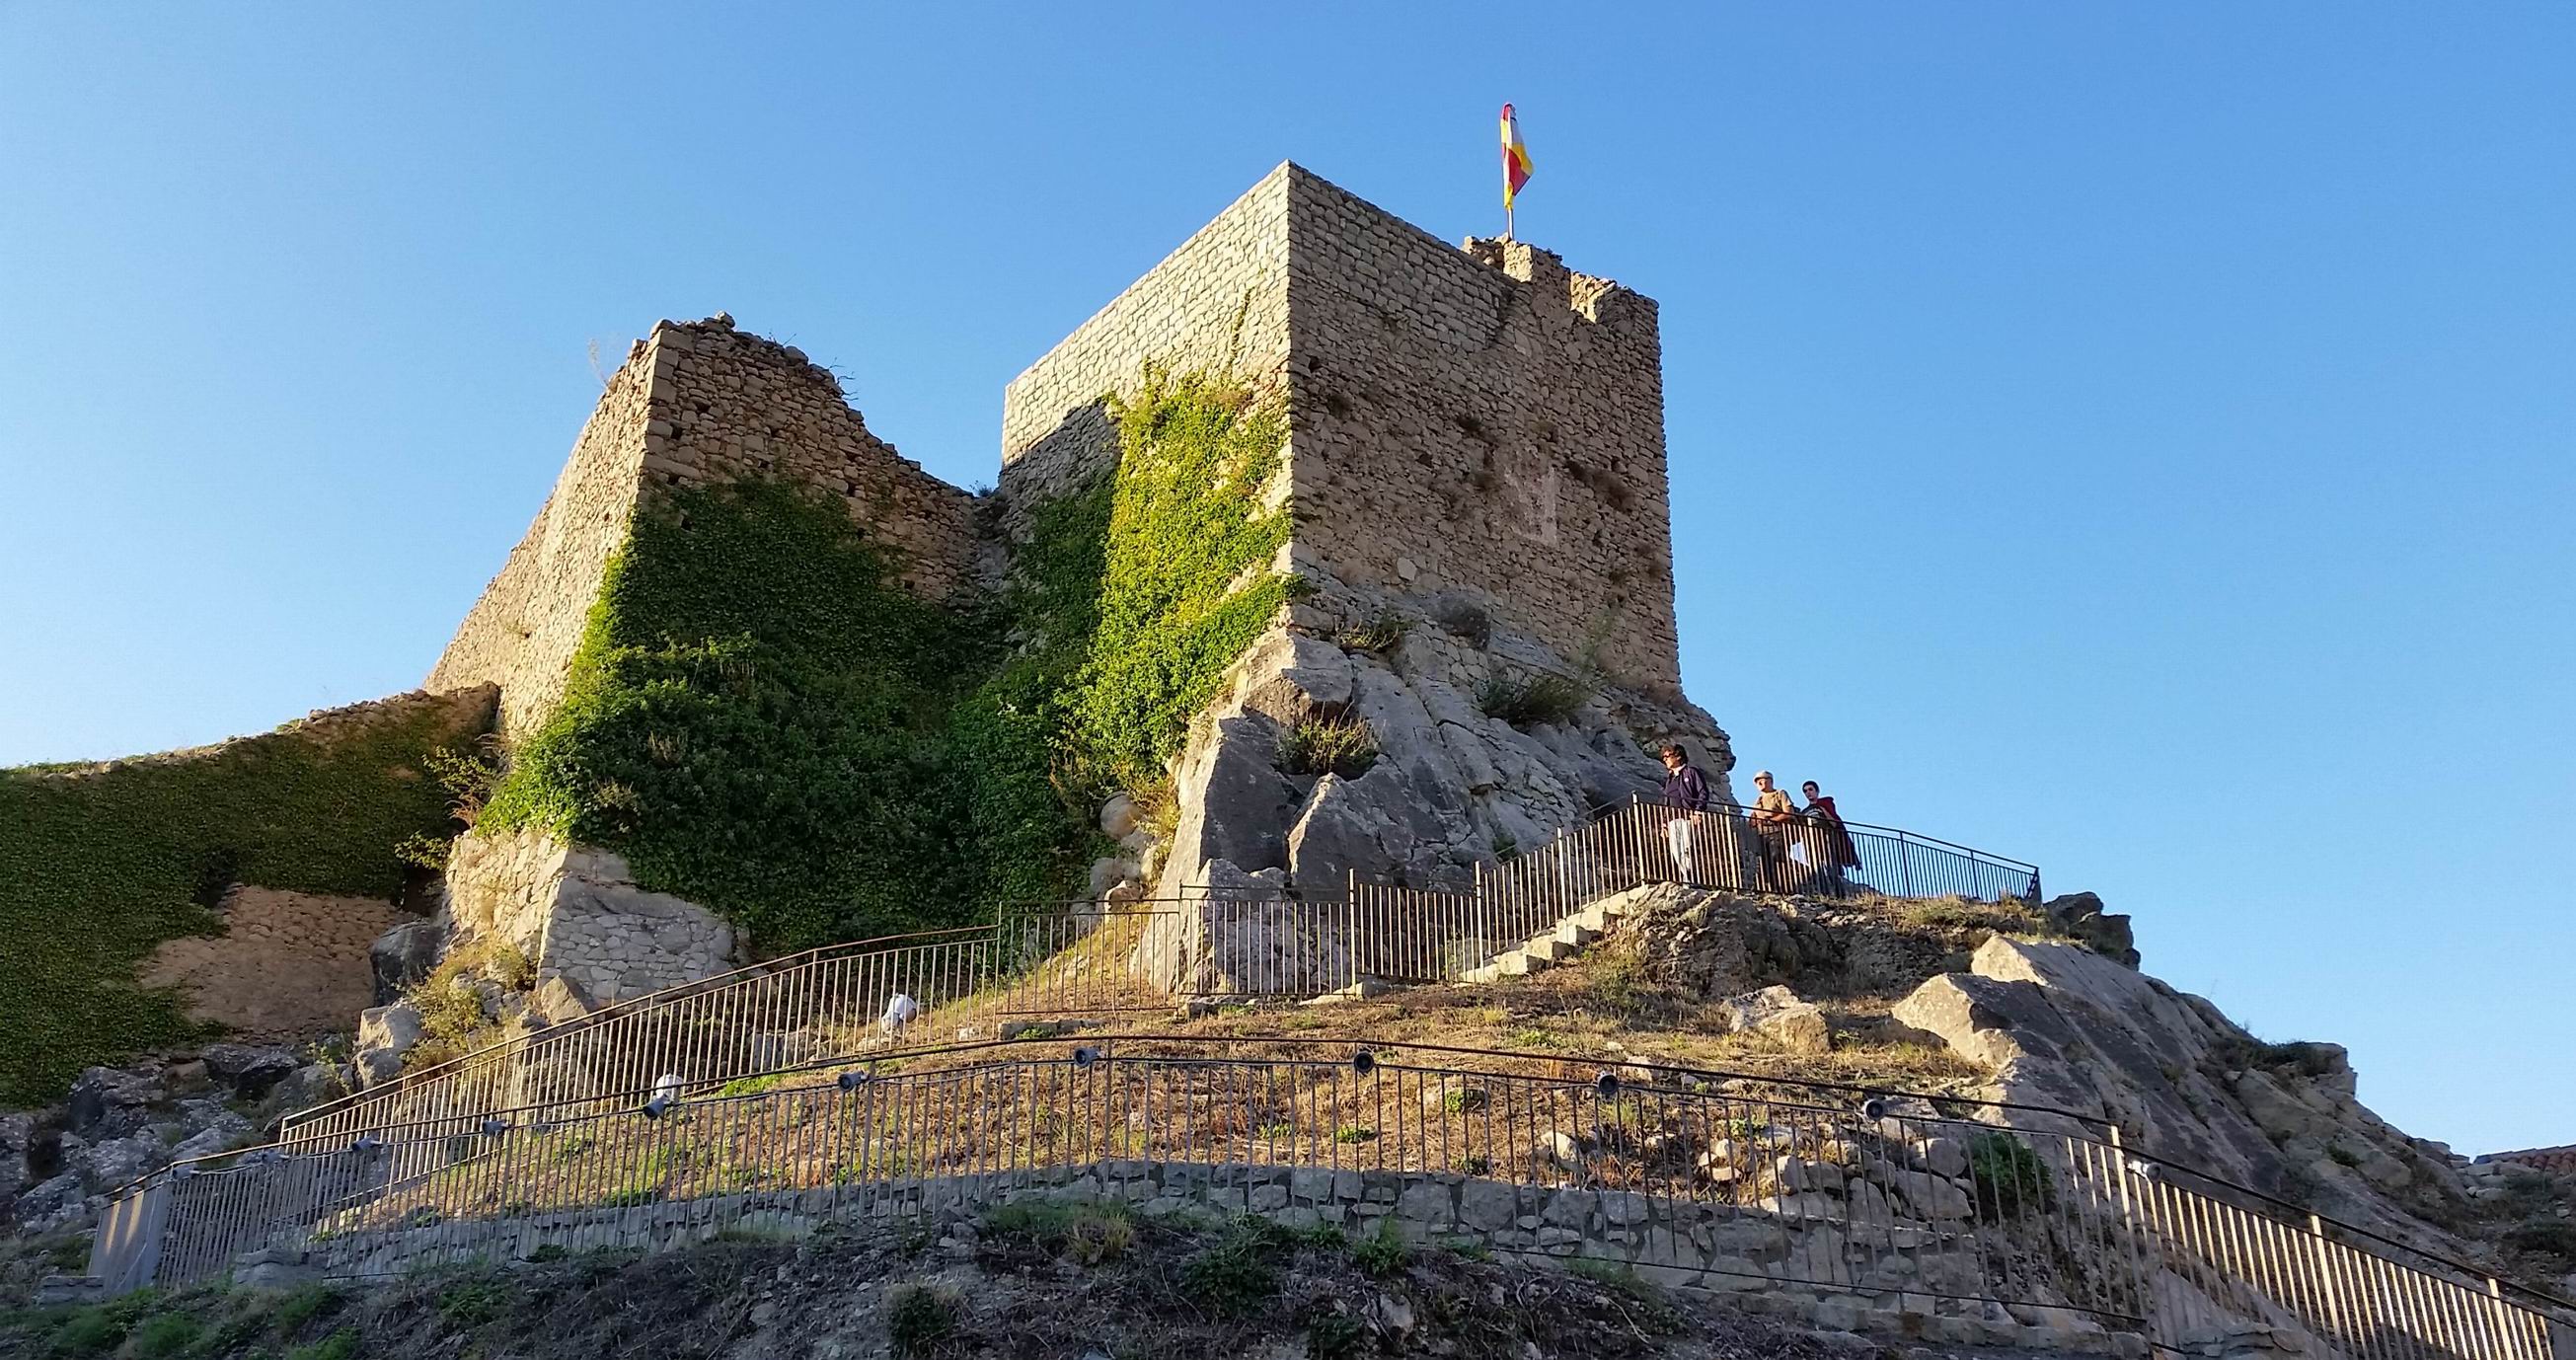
(1829, 844)
(1773, 817)
(1685, 788)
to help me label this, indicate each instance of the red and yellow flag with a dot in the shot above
(1516, 161)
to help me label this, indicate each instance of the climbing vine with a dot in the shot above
(101, 864)
(754, 719)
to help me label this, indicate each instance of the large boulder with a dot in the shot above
(110, 1102)
(403, 956)
(1701, 942)
(1452, 786)
(249, 1070)
(1778, 1014)
(2081, 915)
(1235, 805)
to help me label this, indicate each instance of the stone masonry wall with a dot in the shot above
(1218, 302)
(727, 404)
(1483, 422)
(1823, 1273)
(288, 964)
(593, 937)
(695, 402)
(521, 634)
(1478, 425)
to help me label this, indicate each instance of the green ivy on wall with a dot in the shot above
(1185, 526)
(99, 865)
(754, 718)
(762, 722)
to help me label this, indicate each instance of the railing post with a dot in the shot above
(1905, 863)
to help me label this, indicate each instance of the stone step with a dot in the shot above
(1548, 947)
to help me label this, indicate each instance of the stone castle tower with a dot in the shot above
(1481, 423)
(1475, 445)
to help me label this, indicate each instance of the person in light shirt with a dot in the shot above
(1773, 816)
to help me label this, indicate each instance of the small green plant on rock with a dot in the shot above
(1381, 635)
(2009, 1177)
(1340, 744)
(1534, 700)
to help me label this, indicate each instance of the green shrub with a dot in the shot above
(340, 1345)
(1381, 1252)
(305, 1304)
(1530, 700)
(473, 1302)
(1354, 1133)
(1087, 1234)
(101, 864)
(752, 720)
(99, 1328)
(762, 721)
(1233, 1275)
(920, 1320)
(2009, 1177)
(1318, 744)
(2554, 1238)
(1185, 525)
(164, 1336)
(1336, 1336)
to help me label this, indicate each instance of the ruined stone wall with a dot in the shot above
(288, 964)
(695, 402)
(1219, 302)
(521, 634)
(1481, 422)
(727, 404)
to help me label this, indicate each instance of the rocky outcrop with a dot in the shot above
(2064, 1026)
(59, 1165)
(1451, 785)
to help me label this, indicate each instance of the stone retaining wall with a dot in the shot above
(1828, 1274)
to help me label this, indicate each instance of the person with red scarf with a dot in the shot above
(1829, 843)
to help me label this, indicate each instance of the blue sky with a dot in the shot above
(2135, 438)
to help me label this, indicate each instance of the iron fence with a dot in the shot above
(1694, 1177)
(1054, 959)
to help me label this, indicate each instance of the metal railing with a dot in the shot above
(1051, 959)
(1701, 1177)
(823, 1003)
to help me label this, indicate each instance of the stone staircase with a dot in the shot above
(1560, 942)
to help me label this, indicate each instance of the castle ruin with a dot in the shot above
(1475, 445)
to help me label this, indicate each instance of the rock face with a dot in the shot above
(577, 916)
(59, 1165)
(2065, 1026)
(1451, 786)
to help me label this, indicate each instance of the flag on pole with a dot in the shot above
(1516, 163)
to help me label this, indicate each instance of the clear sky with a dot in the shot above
(2138, 438)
